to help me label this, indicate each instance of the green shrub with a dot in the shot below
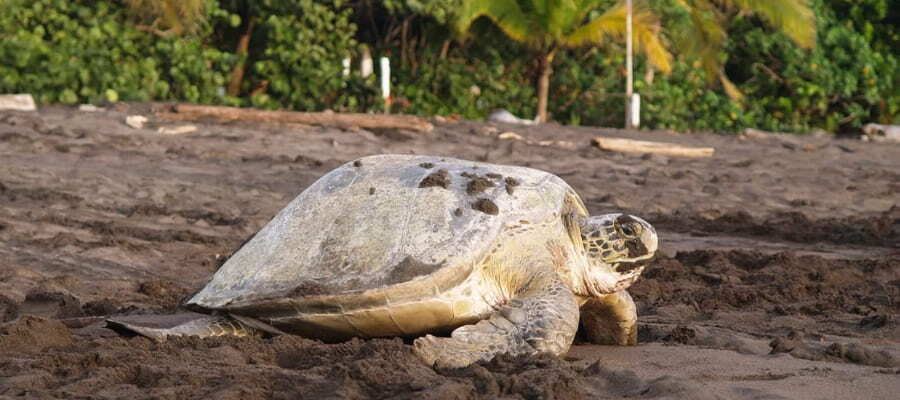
(851, 78)
(469, 87)
(845, 82)
(70, 52)
(300, 47)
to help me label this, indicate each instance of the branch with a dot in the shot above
(640, 146)
(366, 121)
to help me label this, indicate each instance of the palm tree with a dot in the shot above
(703, 37)
(546, 26)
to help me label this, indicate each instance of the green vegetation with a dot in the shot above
(287, 54)
(70, 52)
(545, 27)
(296, 54)
(169, 17)
(701, 30)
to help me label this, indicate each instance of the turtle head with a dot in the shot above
(618, 247)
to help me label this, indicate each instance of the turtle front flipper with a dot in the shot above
(543, 319)
(204, 326)
(610, 320)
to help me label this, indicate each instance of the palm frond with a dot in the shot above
(730, 88)
(648, 40)
(794, 17)
(611, 24)
(538, 10)
(176, 16)
(703, 39)
(583, 8)
(506, 14)
(561, 17)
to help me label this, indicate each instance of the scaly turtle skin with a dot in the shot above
(504, 258)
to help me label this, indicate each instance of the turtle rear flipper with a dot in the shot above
(159, 328)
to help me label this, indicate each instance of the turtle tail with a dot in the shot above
(206, 326)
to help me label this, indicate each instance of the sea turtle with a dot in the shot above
(503, 258)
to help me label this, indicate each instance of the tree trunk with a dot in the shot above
(544, 85)
(444, 49)
(237, 74)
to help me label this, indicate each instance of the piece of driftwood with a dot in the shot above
(641, 146)
(366, 121)
(788, 141)
(17, 102)
(564, 144)
(177, 130)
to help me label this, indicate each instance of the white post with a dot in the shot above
(629, 84)
(365, 65)
(346, 64)
(386, 83)
(635, 110)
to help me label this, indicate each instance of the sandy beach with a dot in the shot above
(779, 275)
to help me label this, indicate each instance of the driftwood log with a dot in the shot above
(366, 121)
(641, 146)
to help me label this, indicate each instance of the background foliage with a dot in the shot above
(70, 52)
(92, 51)
(296, 53)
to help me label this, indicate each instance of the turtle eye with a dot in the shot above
(628, 230)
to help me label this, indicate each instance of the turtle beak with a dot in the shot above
(648, 236)
(635, 263)
(644, 259)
